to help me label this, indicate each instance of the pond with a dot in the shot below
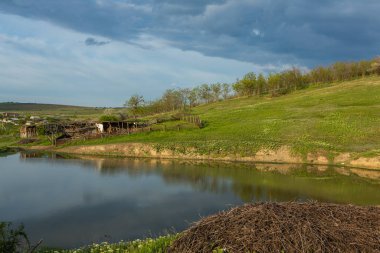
(71, 202)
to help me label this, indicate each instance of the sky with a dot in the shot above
(100, 52)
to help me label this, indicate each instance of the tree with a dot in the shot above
(205, 93)
(193, 97)
(252, 84)
(261, 84)
(246, 86)
(135, 104)
(274, 83)
(238, 88)
(216, 89)
(339, 71)
(184, 93)
(226, 89)
(364, 66)
(375, 66)
(249, 83)
(172, 99)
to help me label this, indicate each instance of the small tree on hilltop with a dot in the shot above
(135, 104)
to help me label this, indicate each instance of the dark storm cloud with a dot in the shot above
(260, 31)
(93, 42)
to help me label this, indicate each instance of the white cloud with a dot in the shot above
(46, 63)
(257, 32)
(124, 5)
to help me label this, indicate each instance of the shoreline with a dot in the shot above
(282, 155)
(247, 221)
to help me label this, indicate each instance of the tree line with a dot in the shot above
(252, 84)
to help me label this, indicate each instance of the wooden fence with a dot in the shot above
(194, 119)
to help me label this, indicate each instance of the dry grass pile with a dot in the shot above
(285, 227)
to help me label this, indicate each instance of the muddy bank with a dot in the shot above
(281, 155)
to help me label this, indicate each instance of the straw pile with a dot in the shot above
(285, 227)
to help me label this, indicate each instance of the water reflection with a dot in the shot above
(255, 182)
(70, 202)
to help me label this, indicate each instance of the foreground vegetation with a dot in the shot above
(15, 240)
(157, 245)
(9, 136)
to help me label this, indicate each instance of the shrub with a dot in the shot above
(108, 118)
(11, 240)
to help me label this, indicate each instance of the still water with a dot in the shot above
(72, 202)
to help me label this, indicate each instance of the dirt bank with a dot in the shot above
(285, 227)
(281, 155)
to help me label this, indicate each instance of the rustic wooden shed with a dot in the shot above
(28, 132)
(112, 127)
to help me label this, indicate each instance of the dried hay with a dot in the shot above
(285, 227)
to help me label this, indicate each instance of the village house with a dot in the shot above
(10, 115)
(112, 127)
(35, 118)
(64, 131)
(13, 121)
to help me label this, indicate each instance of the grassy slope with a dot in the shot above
(341, 117)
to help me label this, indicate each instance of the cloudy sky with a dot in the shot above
(99, 52)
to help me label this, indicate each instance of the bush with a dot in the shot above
(108, 118)
(11, 240)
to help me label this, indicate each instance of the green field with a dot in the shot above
(339, 117)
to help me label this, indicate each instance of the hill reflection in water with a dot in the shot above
(70, 202)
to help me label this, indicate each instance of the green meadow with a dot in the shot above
(339, 117)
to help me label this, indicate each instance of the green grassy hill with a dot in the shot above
(341, 117)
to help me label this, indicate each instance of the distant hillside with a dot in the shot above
(69, 111)
(10, 106)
